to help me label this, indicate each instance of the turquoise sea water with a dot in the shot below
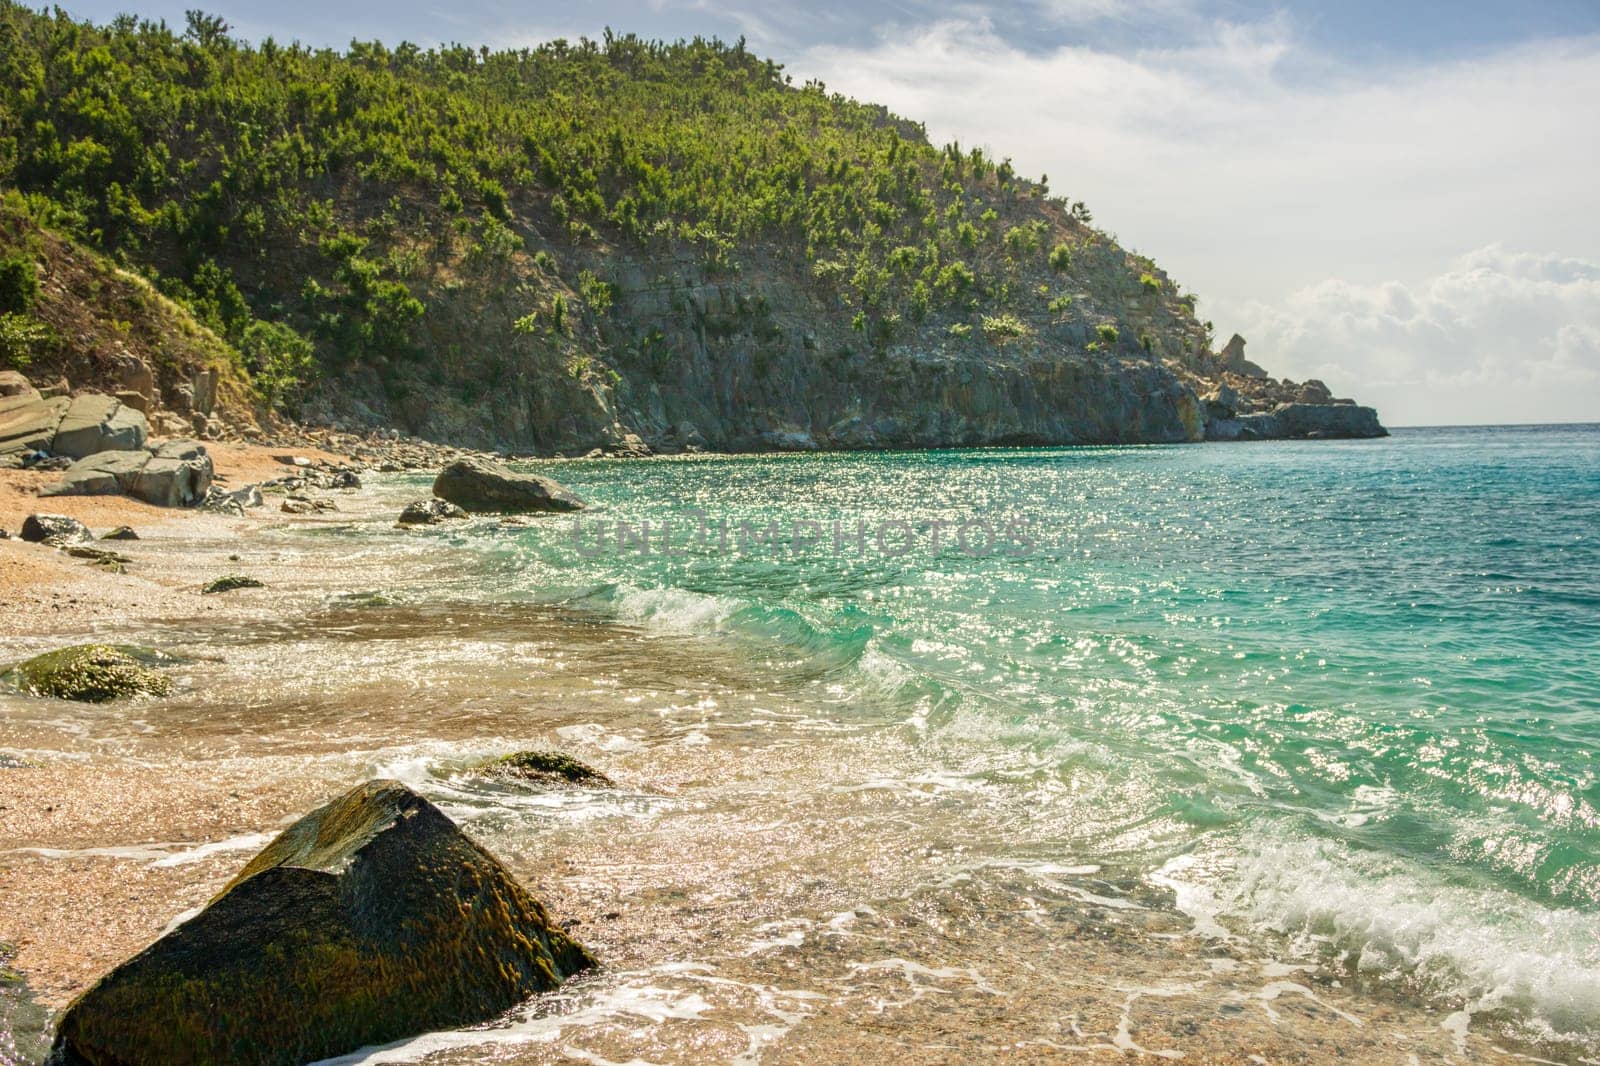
(1345, 692)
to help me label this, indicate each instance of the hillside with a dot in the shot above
(558, 248)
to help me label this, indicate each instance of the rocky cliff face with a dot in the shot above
(760, 358)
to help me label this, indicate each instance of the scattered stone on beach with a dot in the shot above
(482, 485)
(55, 529)
(429, 512)
(370, 919)
(91, 673)
(544, 768)
(229, 582)
(100, 556)
(121, 533)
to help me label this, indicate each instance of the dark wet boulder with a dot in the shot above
(429, 512)
(480, 485)
(370, 919)
(544, 768)
(229, 582)
(55, 529)
(91, 673)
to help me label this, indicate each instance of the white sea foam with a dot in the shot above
(672, 610)
(1476, 948)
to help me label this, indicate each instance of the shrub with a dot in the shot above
(1151, 283)
(20, 339)
(1060, 258)
(19, 284)
(280, 362)
(1108, 333)
(1004, 327)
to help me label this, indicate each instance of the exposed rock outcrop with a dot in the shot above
(72, 427)
(370, 919)
(480, 485)
(173, 474)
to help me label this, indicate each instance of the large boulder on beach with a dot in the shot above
(370, 919)
(175, 473)
(91, 673)
(28, 424)
(480, 485)
(32, 422)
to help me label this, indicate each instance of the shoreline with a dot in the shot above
(123, 835)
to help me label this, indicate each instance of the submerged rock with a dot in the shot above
(545, 768)
(429, 512)
(121, 533)
(479, 485)
(57, 529)
(370, 919)
(307, 505)
(229, 582)
(91, 673)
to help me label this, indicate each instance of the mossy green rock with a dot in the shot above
(370, 919)
(91, 673)
(231, 582)
(545, 767)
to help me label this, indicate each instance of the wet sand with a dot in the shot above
(771, 882)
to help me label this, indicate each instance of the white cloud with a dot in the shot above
(1255, 167)
(1499, 337)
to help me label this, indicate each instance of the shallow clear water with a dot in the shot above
(1345, 691)
(1340, 701)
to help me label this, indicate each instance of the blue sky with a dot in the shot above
(1398, 198)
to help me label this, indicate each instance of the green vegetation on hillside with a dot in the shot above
(346, 197)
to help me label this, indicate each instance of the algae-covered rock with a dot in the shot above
(229, 582)
(91, 673)
(121, 533)
(368, 920)
(545, 768)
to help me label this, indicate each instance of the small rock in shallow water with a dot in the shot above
(91, 673)
(545, 768)
(230, 582)
(370, 919)
(429, 512)
(307, 505)
(121, 533)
